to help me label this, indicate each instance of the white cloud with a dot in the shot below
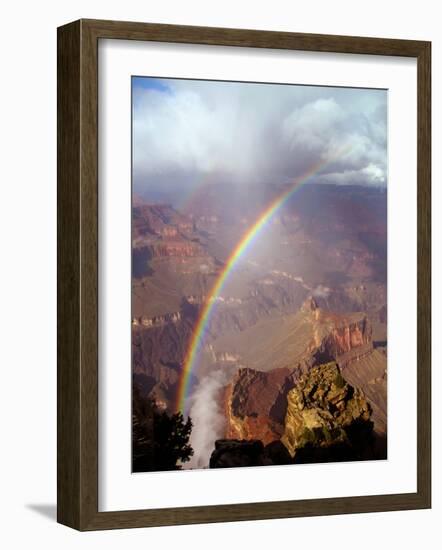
(253, 132)
(207, 418)
(311, 126)
(374, 173)
(321, 291)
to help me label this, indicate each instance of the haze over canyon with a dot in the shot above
(259, 273)
(306, 306)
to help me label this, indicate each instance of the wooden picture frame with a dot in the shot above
(78, 274)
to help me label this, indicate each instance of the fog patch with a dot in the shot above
(321, 291)
(207, 418)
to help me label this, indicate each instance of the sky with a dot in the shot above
(188, 131)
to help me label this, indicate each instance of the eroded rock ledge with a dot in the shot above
(326, 420)
(323, 410)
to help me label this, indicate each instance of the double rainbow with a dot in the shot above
(240, 249)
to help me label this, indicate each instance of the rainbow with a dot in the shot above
(240, 249)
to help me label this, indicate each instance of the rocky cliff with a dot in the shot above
(337, 336)
(255, 401)
(335, 256)
(255, 404)
(159, 231)
(326, 420)
(313, 334)
(158, 219)
(324, 411)
(369, 373)
(159, 345)
(175, 249)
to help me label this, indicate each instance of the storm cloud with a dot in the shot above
(185, 130)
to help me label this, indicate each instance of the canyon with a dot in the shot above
(255, 401)
(310, 292)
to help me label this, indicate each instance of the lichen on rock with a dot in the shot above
(324, 411)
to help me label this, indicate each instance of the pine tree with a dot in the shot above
(159, 441)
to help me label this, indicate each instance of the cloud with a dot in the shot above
(186, 130)
(207, 418)
(310, 126)
(321, 291)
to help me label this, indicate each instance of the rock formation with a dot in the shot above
(255, 401)
(324, 412)
(255, 404)
(312, 292)
(326, 420)
(175, 249)
(233, 453)
(158, 219)
(338, 336)
(312, 332)
(158, 347)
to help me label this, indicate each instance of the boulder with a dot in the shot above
(235, 453)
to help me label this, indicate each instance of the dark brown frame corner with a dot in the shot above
(77, 226)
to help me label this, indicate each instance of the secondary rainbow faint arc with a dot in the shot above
(243, 244)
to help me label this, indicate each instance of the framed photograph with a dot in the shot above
(243, 274)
